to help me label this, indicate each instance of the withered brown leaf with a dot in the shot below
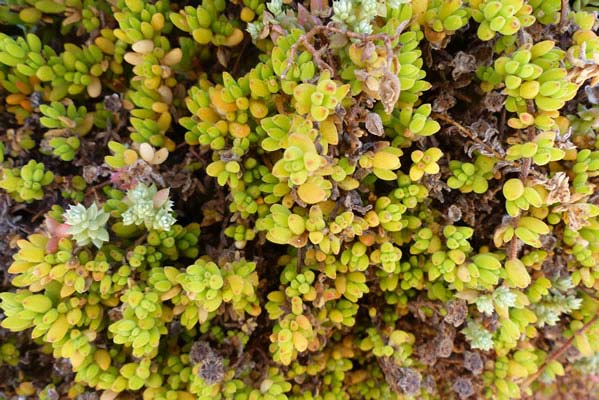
(374, 124)
(389, 90)
(559, 189)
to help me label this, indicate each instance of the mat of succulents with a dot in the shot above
(299, 200)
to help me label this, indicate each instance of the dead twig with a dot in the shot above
(305, 39)
(245, 43)
(93, 189)
(556, 354)
(563, 15)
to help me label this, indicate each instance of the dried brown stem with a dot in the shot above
(466, 132)
(140, 240)
(563, 15)
(512, 249)
(556, 354)
(93, 189)
(245, 43)
(39, 214)
(304, 40)
(526, 163)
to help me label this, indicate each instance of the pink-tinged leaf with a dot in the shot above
(52, 245)
(123, 180)
(160, 197)
(303, 15)
(268, 18)
(62, 230)
(56, 229)
(51, 224)
(115, 177)
(308, 19)
(320, 8)
(275, 32)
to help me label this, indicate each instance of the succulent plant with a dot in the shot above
(471, 177)
(425, 163)
(87, 225)
(443, 18)
(26, 183)
(505, 18)
(319, 100)
(208, 24)
(150, 207)
(532, 73)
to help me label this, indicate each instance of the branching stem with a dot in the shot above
(512, 251)
(308, 37)
(556, 354)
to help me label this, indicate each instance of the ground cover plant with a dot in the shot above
(355, 199)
